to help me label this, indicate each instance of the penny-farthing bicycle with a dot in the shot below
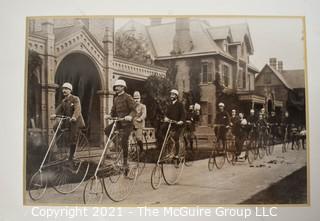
(168, 166)
(219, 148)
(56, 171)
(111, 176)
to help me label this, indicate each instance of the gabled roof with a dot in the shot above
(290, 78)
(253, 67)
(276, 73)
(61, 33)
(162, 38)
(295, 78)
(241, 32)
(220, 33)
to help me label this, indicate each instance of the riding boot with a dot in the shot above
(72, 151)
(140, 144)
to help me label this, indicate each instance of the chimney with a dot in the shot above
(273, 63)
(155, 21)
(182, 41)
(280, 66)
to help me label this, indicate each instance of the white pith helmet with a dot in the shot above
(136, 94)
(67, 85)
(174, 91)
(120, 82)
(221, 104)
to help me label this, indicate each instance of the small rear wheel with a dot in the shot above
(38, 185)
(156, 177)
(93, 191)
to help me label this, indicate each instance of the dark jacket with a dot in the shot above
(71, 107)
(123, 105)
(252, 119)
(176, 111)
(222, 118)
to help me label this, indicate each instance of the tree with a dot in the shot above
(157, 89)
(131, 47)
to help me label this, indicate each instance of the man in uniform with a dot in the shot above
(192, 116)
(123, 107)
(71, 107)
(252, 120)
(233, 120)
(175, 111)
(139, 119)
(223, 122)
(274, 123)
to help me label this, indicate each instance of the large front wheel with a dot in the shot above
(172, 167)
(231, 152)
(69, 176)
(219, 154)
(251, 151)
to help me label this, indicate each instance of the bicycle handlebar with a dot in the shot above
(116, 118)
(170, 121)
(63, 117)
(220, 125)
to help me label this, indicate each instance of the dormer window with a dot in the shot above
(225, 46)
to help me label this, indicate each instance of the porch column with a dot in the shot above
(48, 87)
(106, 100)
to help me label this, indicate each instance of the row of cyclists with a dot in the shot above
(128, 108)
(240, 126)
(134, 113)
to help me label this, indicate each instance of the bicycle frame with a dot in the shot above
(53, 138)
(106, 145)
(164, 142)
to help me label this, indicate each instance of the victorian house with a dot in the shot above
(284, 90)
(208, 64)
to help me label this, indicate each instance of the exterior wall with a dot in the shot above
(251, 81)
(244, 52)
(220, 65)
(208, 104)
(274, 87)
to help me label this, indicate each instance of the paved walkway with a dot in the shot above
(198, 186)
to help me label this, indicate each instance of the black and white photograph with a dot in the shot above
(166, 111)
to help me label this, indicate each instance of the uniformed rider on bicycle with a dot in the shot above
(175, 111)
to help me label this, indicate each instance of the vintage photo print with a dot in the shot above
(166, 110)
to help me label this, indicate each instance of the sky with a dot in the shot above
(277, 37)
